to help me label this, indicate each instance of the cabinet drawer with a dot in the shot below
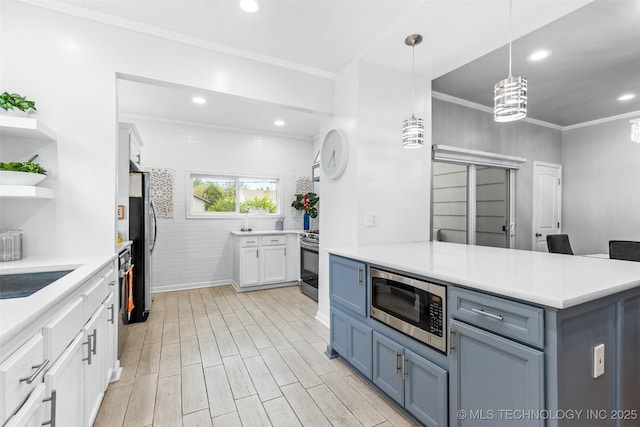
(249, 241)
(60, 331)
(509, 318)
(20, 374)
(278, 239)
(94, 293)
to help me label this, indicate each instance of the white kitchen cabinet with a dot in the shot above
(65, 381)
(20, 375)
(31, 412)
(273, 264)
(262, 260)
(94, 377)
(129, 134)
(111, 337)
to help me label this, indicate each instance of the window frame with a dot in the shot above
(190, 175)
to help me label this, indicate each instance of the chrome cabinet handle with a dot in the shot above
(112, 283)
(256, 253)
(53, 399)
(111, 320)
(360, 280)
(538, 235)
(95, 341)
(397, 367)
(285, 251)
(487, 314)
(33, 376)
(452, 332)
(405, 368)
(88, 344)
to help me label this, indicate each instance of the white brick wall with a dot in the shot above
(199, 252)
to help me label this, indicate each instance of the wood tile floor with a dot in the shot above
(214, 357)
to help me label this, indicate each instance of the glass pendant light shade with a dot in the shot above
(413, 132)
(510, 99)
(635, 130)
(413, 128)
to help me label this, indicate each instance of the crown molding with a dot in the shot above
(151, 30)
(134, 117)
(603, 120)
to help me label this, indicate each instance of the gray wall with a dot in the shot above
(465, 127)
(601, 192)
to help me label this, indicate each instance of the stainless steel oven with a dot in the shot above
(412, 306)
(309, 264)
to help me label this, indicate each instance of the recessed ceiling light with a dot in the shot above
(539, 55)
(250, 6)
(199, 100)
(626, 97)
(279, 123)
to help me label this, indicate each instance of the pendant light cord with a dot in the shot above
(413, 67)
(510, 6)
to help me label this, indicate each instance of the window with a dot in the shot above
(225, 196)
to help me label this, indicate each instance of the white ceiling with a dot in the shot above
(322, 36)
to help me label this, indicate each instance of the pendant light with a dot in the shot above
(413, 128)
(510, 94)
(635, 130)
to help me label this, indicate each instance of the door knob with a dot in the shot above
(538, 235)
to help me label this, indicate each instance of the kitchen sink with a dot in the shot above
(25, 284)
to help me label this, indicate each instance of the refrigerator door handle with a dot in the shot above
(155, 226)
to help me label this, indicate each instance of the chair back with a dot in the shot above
(559, 244)
(626, 250)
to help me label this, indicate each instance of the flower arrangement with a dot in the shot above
(306, 203)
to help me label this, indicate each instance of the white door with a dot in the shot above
(547, 193)
(273, 264)
(66, 378)
(249, 267)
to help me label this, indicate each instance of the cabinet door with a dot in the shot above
(249, 267)
(425, 390)
(489, 373)
(111, 336)
(360, 347)
(30, 414)
(339, 332)
(347, 285)
(387, 367)
(94, 377)
(66, 379)
(273, 264)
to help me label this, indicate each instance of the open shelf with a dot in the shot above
(24, 127)
(25, 192)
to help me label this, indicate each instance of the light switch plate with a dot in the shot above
(371, 219)
(598, 360)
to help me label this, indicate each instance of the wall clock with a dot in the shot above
(334, 153)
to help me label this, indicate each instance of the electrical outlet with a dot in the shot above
(598, 360)
(370, 219)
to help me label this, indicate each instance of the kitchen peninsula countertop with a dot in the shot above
(551, 280)
(17, 313)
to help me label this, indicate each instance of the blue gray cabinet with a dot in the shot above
(352, 340)
(411, 380)
(490, 374)
(347, 284)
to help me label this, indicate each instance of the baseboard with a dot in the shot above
(260, 287)
(322, 318)
(186, 286)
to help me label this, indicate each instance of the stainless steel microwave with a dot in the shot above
(414, 307)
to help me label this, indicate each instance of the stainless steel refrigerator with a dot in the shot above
(142, 231)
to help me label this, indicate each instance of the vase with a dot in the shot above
(306, 221)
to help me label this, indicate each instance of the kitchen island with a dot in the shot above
(531, 338)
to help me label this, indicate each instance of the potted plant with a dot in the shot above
(22, 173)
(306, 203)
(11, 102)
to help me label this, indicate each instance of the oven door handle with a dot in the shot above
(309, 246)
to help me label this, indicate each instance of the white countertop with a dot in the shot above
(552, 280)
(265, 232)
(17, 313)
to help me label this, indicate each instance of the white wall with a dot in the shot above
(199, 252)
(68, 65)
(601, 193)
(461, 126)
(381, 176)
